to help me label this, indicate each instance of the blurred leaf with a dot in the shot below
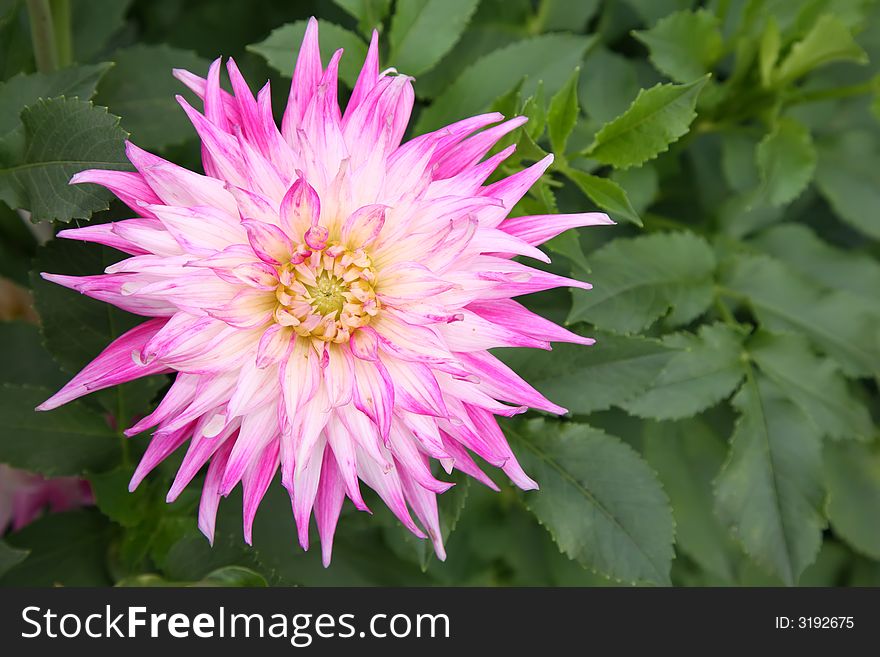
(848, 175)
(93, 23)
(25, 360)
(606, 194)
(477, 41)
(828, 41)
(66, 549)
(423, 31)
(814, 384)
(17, 246)
(770, 490)
(16, 53)
(565, 15)
(587, 379)
(369, 13)
(665, 271)
(70, 440)
(786, 160)
(609, 84)
(684, 45)
(141, 89)
(841, 269)
(641, 185)
(836, 323)
(24, 90)
(10, 557)
(280, 47)
(738, 161)
(687, 455)
(657, 117)
(563, 114)
(599, 500)
(706, 369)
(652, 10)
(852, 474)
(549, 57)
(63, 136)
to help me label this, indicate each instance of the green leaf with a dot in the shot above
(227, 576)
(738, 161)
(281, 46)
(599, 500)
(10, 557)
(423, 31)
(663, 272)
(770, 490)
(534, 108)
(706, 369)
(508, 104)
(23, 90)
(63, 136)
(848, 176)
(368, 13)
(825, 265)
(236, 576)
(70, 440)
(141, 90)
(563, 113)
(659, 116)
(651, 11)
(114, 500)
(687, 456)
(587, 379)
(852, 474)
(93, 24)
(684, 45)
(786, 161)
(605, 193)
(609, 85)
(568, 244)
(25, 360)
(16, 52)
(77, 328)
(549, 57)
(814, 384)
(641, 185)
(828, 41)
(565, 15)
(836, 323)
(17, 246)
(66, 549)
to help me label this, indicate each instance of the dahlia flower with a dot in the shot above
(23, 495)
(326, 295)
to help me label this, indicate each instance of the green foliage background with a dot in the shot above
(721, 431)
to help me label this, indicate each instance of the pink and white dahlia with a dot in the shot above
(24, 495)
(326, 296)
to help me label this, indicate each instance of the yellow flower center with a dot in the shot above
(326, 294)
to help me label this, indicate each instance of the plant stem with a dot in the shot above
(870, 86)
(43, 35)
(63, 32)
